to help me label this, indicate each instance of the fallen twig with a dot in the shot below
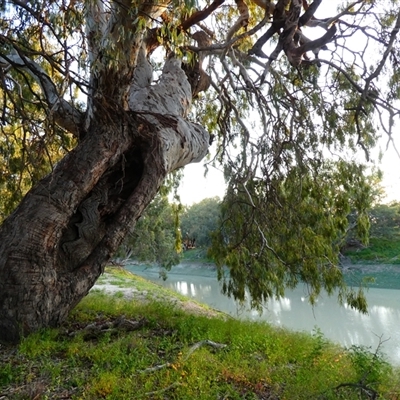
(93, 330)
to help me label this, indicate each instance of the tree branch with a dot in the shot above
(325, 23)
(277, 24)
(309, 13)
(242, 21)
(317, 44)
(64, 114)
(192, 349)
(198, 16)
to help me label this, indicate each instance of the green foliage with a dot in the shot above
(198, 255)
(25, 158)
(259, 361)
(155, 237)
(384, 243)
(385, 221)
(379, 250)
(164, 226)
(372, 373)
(276, 234)
(30, 141)
(199, 220)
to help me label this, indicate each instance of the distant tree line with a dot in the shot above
(166, 230)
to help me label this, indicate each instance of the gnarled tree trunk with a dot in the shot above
(56, 243)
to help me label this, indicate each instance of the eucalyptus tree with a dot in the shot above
(157, 238)
(128, 91)
(199, 220)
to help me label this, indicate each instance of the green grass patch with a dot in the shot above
(258, 362)
(379, 250)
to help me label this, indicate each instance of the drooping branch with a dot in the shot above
(369, 94)
(64, 114)
(388, 50)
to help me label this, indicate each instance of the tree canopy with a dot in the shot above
(108, 97)
(157, 237)
(199, 220)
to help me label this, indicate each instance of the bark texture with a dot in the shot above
(57, 242)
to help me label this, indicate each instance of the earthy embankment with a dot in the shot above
(141, 290)
(132, 339)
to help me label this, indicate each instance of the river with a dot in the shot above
(340, 324)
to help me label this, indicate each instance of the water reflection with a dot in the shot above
(341, 324)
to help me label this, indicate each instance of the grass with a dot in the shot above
(258, 362)
(380, 250)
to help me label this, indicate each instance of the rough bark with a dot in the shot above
(56, 243)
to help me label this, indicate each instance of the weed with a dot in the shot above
(258, 362)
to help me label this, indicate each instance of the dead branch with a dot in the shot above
(93, 330)
(362, 385)
(175, 384)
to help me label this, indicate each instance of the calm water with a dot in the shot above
(340, 324)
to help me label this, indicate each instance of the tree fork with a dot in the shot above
(57, 242)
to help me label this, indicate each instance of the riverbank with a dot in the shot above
(131, 339)
(121, 283)
(373, 275)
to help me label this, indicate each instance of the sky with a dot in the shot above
(196, 187)
(390, 167)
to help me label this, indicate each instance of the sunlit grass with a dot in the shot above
(259, 361)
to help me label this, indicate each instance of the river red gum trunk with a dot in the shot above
(134, 132)
(56, 243)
